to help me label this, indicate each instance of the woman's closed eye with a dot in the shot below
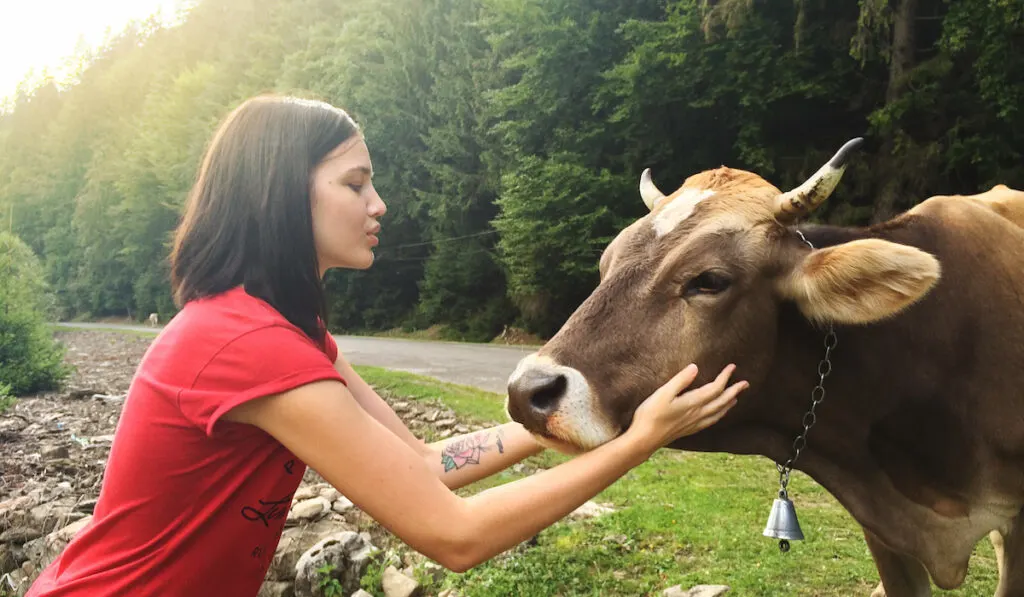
(358, 188)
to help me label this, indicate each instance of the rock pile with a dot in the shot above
(54, 447)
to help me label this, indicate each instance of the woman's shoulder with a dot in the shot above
(227, 314)
(207, 327)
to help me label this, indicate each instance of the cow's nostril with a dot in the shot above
(547, 394)
(536, 392)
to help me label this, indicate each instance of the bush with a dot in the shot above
(6, 398)
(30, 359)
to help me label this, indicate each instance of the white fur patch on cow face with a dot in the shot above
(678, 210)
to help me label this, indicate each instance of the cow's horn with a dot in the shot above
(815, 190)
(648, 191)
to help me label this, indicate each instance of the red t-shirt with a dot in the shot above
(191, 506)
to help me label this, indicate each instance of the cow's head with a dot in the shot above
(700, 279)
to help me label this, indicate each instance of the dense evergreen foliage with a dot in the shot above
(30, 359)
(509, 135)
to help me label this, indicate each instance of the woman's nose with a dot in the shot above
(377, 207)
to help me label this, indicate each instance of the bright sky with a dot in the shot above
(37, 34)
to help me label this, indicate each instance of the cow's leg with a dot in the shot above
(902, 575)
(1009, 546)
(999, 545)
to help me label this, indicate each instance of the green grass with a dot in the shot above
(466, 400)
(683, 518)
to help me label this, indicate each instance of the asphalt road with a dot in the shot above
(484, 366)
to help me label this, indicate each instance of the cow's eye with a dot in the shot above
(710, 282)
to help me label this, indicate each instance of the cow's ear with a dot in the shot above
(860, 281)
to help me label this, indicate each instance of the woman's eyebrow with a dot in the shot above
(365, 170)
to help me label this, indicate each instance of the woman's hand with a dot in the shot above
(669, 414)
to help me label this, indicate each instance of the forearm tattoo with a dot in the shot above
(464, 451)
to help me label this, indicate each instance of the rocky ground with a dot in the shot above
(53, 449)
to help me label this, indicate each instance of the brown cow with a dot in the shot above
(920, 434)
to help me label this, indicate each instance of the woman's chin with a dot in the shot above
(358, 263)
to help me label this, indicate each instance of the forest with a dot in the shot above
(508, 136)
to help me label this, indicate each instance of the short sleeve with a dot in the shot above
(258, 363)
(331, 347)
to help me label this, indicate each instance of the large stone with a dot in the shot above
(341, 505)
(330, 494)
(304, 493)
(44, 550)
(346, 554)
(697, 591)
(396, 584)
(11, 425)
(86, 506)
(297, 540)
(14, 512)
(67, 533)
(308, 510)
(15, 504)
(16, 581)
(83, 393)
(56, 514)
(7, 561)
(435, 571)
(20, 534)
(277, 589)
(361, 593)
(55, 452)
(591, 510)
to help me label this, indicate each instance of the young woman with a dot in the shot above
(244, 389)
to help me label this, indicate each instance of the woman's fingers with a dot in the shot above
(712, 388)
(680, 381)
(713, 411)
(723, 402)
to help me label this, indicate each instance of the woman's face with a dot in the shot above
(345, 207)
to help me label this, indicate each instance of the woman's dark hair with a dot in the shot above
(248, 218)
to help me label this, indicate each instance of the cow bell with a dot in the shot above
(782, 522)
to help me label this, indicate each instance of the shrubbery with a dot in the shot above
(30, 358)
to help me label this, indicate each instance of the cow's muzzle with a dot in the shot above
(555, 401)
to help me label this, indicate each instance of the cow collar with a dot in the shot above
(782, 522)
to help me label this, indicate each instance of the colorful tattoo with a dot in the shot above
(467, 450)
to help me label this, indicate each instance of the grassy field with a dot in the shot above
(682, 518)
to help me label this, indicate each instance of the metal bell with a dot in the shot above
(782, 522)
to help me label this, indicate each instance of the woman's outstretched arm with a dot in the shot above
(457, 461)
(322, 424)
